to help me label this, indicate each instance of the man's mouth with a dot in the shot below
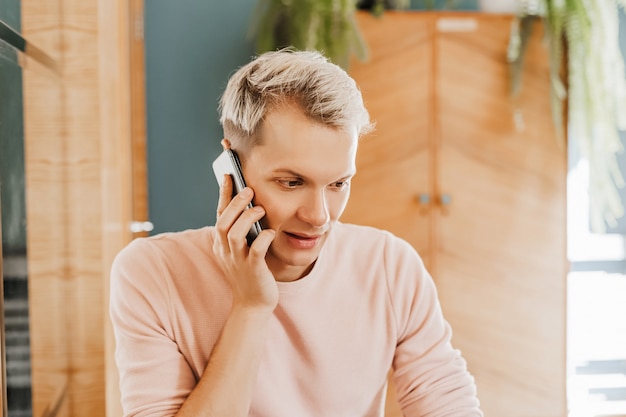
(303, 241)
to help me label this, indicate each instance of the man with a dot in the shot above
(308, 319)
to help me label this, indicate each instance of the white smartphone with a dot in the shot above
(228, 163)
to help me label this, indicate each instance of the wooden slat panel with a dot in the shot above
(84, 238)
(117, 150)
(137, 70)
(78, 194)
(501, 267)
(47, 213)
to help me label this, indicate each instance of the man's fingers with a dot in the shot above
(261, 244)
(233, 209)
(239, 230)
(226, 192)
(233, 223)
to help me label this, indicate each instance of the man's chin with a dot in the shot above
(285, 259)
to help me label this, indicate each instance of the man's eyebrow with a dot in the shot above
(292, 173)
(348, 175)
(286, 171)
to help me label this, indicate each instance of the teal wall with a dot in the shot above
(192, 46)
(10, 13)
(12, 179)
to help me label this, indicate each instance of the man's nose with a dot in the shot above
(314, 209)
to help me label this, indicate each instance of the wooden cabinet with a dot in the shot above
(476, 183)
(79, 134)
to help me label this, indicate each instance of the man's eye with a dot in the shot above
(290, 183)
(340, 185)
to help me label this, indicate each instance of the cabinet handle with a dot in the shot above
(445, 199)
(423, 198)
(138, 227)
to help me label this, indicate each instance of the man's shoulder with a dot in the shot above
(172, 257)
(375, 251)
(171, 243)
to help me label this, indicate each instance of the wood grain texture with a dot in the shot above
(137, 69)
(501, 267)
(117, 153)
(446, 126)
(78, 194)
(47, 198)
(394, 163)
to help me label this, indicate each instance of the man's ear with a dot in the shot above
(225, 143)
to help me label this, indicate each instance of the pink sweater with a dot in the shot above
(367, 305)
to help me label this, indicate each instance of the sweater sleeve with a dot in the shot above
(431, 377)
(155, 378)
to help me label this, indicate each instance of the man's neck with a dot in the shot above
(288, 273)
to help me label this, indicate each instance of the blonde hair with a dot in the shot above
(323, 90)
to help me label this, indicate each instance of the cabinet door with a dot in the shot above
(394, 163)
(501, 255)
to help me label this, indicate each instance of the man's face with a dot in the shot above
(300, 174)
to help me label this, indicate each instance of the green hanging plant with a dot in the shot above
(328, 26)
(586, 33)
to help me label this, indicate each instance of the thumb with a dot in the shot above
(261, 244)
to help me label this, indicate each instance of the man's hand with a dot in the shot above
(227, 384)
(251, 281)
